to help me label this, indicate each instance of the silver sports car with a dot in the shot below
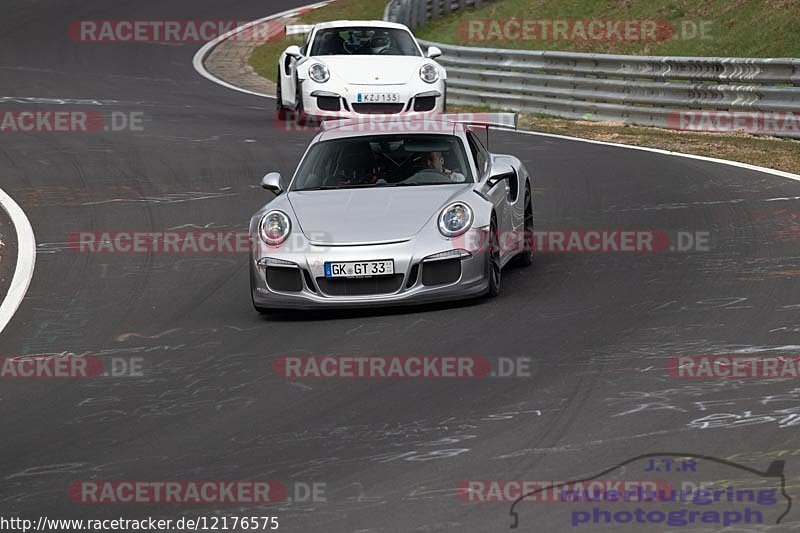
(392, 213)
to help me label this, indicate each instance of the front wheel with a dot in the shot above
(525, 257)
(495, 271)
(300, 110)
(279, 108)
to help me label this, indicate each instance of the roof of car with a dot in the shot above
(360, 23)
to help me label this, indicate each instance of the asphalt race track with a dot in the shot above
(598, 327)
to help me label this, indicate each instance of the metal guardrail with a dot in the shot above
(695, 93)
(415, 13)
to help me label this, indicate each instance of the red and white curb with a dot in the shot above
(205, 50)
(200, 56)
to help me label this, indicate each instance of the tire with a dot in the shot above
(279, 109)
(493, 270)
(525, 258)
(300, 113)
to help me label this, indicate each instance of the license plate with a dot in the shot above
(359, 269)
(379, 98)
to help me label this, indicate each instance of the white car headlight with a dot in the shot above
(455, 219)
(275, 227)
(429, 73)
(319, 73)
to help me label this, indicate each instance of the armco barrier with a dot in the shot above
(696, 93)
(415, 13)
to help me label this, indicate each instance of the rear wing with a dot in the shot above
(485, 120)
(299, 29)
(425, 122)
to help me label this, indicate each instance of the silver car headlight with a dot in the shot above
(319, 73)
(455, 219)
(429, 73)
(274, 228)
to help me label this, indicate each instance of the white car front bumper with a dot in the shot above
(350, 101)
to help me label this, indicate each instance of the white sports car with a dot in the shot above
(352, 68)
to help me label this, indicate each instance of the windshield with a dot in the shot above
(362, 41)
(384, 161)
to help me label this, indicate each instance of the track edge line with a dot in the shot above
(206, 49)
(26, 259)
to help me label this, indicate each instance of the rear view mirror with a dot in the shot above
(500, 172)
(272, 182)
(294, 51)
(434, 52)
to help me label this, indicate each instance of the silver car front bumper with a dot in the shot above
(421, 276)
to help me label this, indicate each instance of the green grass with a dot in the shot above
(738, 28)
(347, 10)
(264, 58)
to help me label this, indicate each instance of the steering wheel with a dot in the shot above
(427, 175)
(350, 51)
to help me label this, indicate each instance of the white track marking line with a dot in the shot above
(201, 54)
(26, 259)
(747, 166)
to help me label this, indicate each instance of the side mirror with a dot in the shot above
(434, 52)
(272, 182)
(294, 51)
(500, 172)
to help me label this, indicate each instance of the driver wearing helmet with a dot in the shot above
(380, 44)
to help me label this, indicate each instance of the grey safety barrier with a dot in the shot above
(759, 96)
(415, 13)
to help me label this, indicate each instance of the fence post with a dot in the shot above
(422, 7)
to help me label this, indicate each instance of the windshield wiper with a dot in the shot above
(320, 188)
(425, 184)
(335, 187)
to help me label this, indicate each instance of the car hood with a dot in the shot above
(361, 216)
(374, 70)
